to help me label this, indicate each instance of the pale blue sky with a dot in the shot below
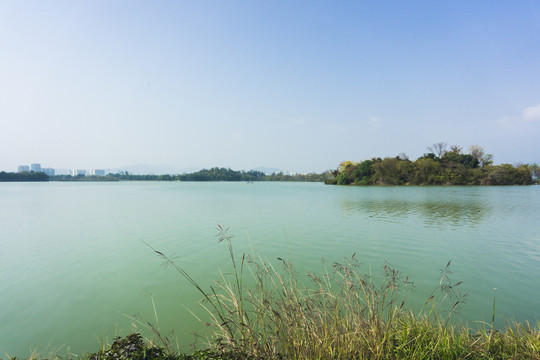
(296, 85)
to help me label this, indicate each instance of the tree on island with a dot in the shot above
(438, 149)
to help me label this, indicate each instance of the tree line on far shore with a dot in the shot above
(23, 176)
(440, 166)
(213, 174)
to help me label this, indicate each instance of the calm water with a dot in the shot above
(73, 264)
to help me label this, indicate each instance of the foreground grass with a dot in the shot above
(411, 338)
(260, 311)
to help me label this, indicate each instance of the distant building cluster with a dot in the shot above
(97, 172)
(77, 172)
(81, 172)
(51, 172)
(35, 168)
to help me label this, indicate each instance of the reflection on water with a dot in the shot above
(430, 212)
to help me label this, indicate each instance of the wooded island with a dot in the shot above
(438, 167)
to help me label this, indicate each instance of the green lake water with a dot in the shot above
(74, 269)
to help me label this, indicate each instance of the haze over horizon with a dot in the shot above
(293, 85)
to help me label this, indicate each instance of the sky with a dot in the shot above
(289, 84)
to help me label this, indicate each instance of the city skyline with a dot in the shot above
(36, 167)
(133, 169)
(299, 86)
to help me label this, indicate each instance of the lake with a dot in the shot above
(74, 268)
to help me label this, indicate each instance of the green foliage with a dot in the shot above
(220, 174)
(363, 172)
(23, 176)
(466, 160)
(449, 168)
(507, 174)
(131, 347)
(428, 171)
(310, 177)
(343, 179)
(134, 347)
(386, 172)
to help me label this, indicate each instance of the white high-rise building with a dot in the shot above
(76, 172)
(97, 172)
(23, 168)
(35, 167)
(79, 172)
